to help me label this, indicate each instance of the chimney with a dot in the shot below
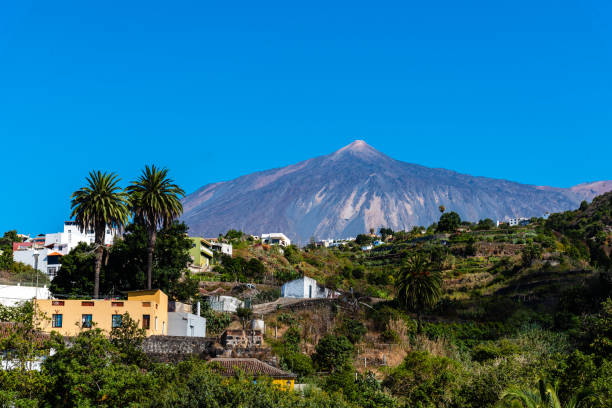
(198, 308)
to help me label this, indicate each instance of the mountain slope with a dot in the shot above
(357, 188)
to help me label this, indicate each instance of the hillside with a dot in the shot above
(517, 303)
(357, 188)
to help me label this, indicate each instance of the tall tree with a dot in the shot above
(155, 201)
(543, 395)
(419, 285)
(100, 204)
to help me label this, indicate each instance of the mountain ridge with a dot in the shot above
(358, 187)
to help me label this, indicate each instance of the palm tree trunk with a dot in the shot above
(99, 231)
(150, 248)
(98, 266)
(419, 322)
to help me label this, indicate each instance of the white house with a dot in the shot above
(275, 238)
(222, 247)
(306, 288)
(46, 260)
(12, 295)
(224, 303)
(72, 236)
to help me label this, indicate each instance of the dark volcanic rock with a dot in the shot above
(357, 188)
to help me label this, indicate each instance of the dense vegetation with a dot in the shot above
(453, 315)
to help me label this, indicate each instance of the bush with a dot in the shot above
(491, 350)
(424, 380)
(352, 329)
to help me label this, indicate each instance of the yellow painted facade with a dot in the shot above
(69, 317)
(285, 384)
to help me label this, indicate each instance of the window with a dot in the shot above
(87, 303)
(86, 321)
(116, 321)
(116, 304)
(146, 321)
(57, 303)
(146, 304)
(56, 320)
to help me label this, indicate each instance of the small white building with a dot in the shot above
(181, 322)
(306, 288)
(186, 324)
(224, 303)
(222, 247)
(12, 295)
(275, 238)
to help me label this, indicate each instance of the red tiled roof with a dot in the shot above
(17, 245)
(55, 254)
(252, 366)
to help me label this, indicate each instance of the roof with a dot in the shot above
(55, 254)
(252, 366)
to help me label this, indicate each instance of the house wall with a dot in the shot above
(304, 288)
(152, 303)
(225, 303)
(11, 295)
(27, 257)
(186, 324)
(72, 236)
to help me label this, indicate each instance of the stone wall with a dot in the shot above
(172, 349)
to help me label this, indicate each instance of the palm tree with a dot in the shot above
(101, 204)
(419, 287)
(155, 201)
(544, 395)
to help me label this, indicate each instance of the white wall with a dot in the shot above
(225, 303)
(27, 257)
(305, 288)
(186, 324)
(11, 295)
(72, 236)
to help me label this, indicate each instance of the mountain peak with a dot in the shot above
(359, 148)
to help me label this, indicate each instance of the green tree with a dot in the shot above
(128, 339)
(530, 253)
(544, 395)
(155, 202)
(353, 329)
(424, 380)
(363, 239)
(244, 315)
(449, 222)
(125, 265)
(74, 278)
(332, 352)
(100, 204)
(418, 286)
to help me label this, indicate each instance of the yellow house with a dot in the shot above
(228, 367)
(69, 317)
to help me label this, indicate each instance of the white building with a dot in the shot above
(275, 238)
(72, 236)
(306, 288)
(224, 303)
(222, 247)
(46, 260)
(12, 295)
(181, 322)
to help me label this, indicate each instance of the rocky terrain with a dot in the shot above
(357, 188)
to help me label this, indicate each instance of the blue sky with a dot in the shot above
(213, 90)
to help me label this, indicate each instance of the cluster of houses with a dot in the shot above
(44, 251)
(151, 309)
